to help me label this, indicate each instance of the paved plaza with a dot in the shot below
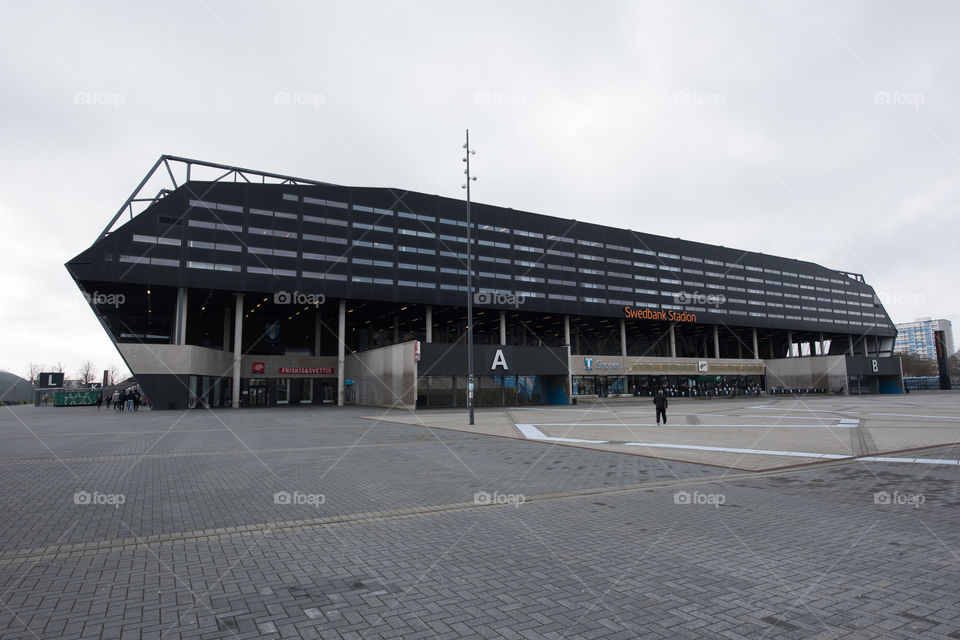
(368, 523)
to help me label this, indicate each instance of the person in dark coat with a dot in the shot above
(660, 402)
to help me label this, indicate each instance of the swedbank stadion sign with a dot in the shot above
(647, 313)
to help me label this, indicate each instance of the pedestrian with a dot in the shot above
(99, 400)
(660, 402)
(136, 400)
(109, 399)
(129, 398)
(116, 401)
(122, 400)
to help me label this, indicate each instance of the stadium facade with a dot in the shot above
(225, 286)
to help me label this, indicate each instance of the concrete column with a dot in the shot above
(866, 349)
(396, 330)
(341, 346)
(772, 354)
(716, 342)
(822, 346)
(429, 331)
(317, 329)
(673, 342)
(789, 344)
(740, 348)
(756, 347)
(566, 332)
(623, 337)
(180, 335)
(227, 311)
(576, 337)
(237, 348)
(850, 345)
(503, 327)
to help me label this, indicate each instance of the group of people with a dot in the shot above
(123, 400)
(712, 391)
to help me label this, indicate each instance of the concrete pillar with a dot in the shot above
(823, 346)
(623, 337)
(756, 347)
(429, 321)
(772, 354)
(739, 348)
(850, 345)
(237, 348)
(576, 337)
(716, 342)
(673, 342)
(866, 349)
(503, 327)
(396, 330)
(566, 331)
(317, 329)
(180, 335)
(789, 344)
(227, 312)
(341, 354)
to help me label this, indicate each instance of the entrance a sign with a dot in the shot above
(499, 360)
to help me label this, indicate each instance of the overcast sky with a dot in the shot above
(825, 131)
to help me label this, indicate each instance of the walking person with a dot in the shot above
(109, 399)
(660, 402)
(99, 401)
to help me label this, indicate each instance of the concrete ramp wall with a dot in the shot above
(827, 372)
(384, 377)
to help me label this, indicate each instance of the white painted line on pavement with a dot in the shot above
(697, 426)
(911, 460)
(911, 415)
(530, 432)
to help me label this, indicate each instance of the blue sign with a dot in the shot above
(588, 364)
(348, 381)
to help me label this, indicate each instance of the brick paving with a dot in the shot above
(569, 543)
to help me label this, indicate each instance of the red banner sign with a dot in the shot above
(305, 370)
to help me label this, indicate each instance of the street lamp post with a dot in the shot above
(466, 185)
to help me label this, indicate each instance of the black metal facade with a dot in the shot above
(399, 246)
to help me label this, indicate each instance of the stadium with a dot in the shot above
(222, 286)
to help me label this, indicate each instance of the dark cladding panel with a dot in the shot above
(290, 235)
(451, 360)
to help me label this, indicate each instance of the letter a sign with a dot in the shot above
(499, 360)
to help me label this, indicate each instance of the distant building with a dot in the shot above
(916, 338)
(14, 389)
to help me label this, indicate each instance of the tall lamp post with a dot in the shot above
(466, 185)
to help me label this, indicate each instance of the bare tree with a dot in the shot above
(87, 373)
(33, 371)
(58, 368)
(114, 374)
(914, 366)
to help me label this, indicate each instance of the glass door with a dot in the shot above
(306, 392)
(283, 391)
